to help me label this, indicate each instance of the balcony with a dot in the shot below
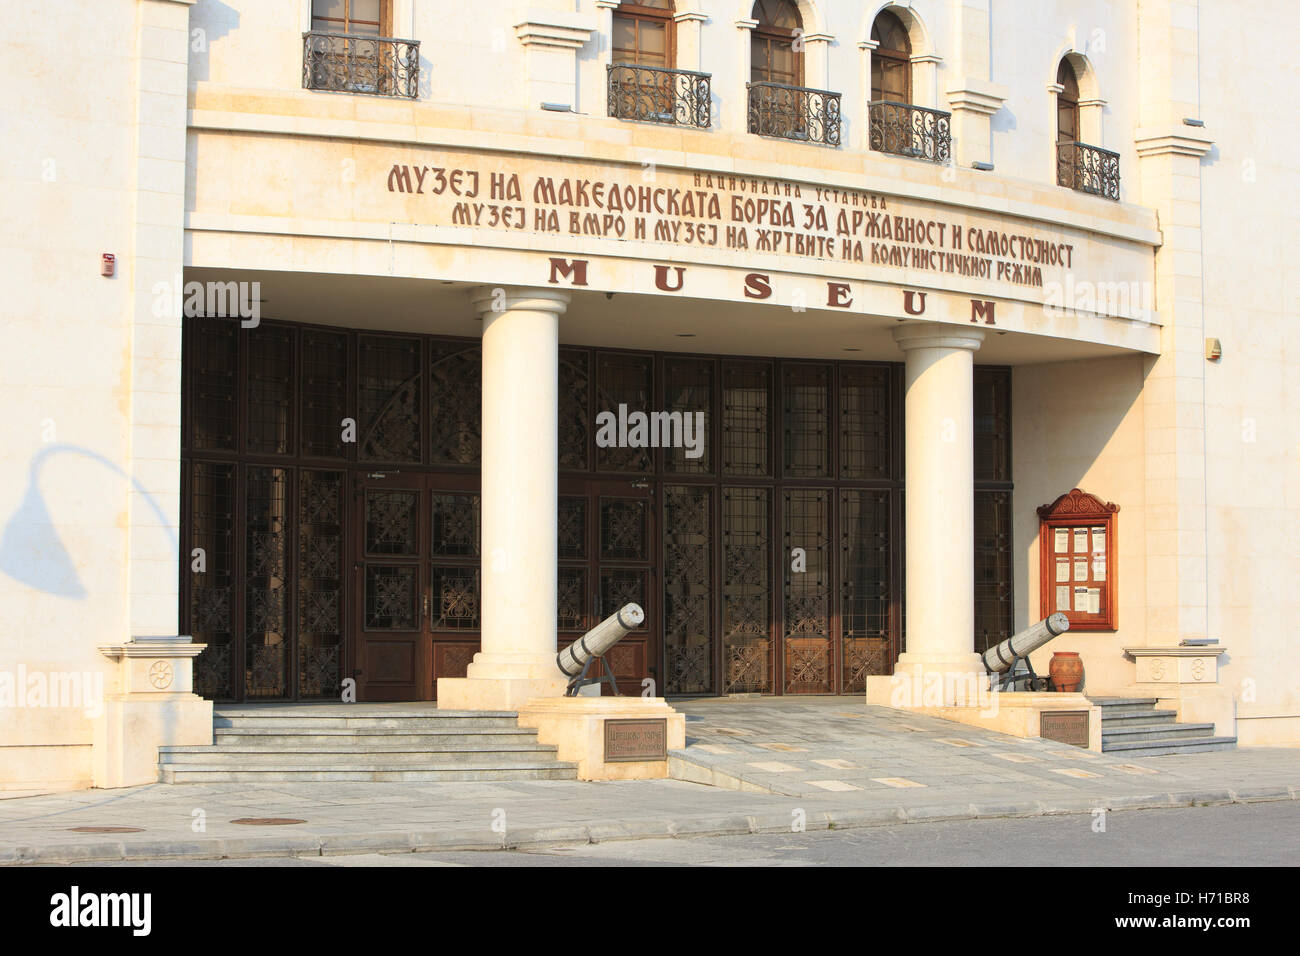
(1088, 169)
(906, 130)
(348, 63)
(794, 112)
(651, 94)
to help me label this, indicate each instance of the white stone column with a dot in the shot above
(940, 509)
(521, 339)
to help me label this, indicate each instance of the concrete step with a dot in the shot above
(551, 770)
(363, 738)
(1164, 732)
(1124, 703)
(1129, 718)
(1181, 745)
(446, 721)
(330, 758)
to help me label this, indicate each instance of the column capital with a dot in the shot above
(937, 335)
(489, 299)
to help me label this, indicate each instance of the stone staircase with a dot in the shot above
(1132, 727)
(346, 742)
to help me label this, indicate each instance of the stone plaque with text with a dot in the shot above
(628, 740)
(1065, 726)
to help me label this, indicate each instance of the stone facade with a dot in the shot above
(177, 135)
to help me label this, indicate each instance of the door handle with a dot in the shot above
(426, 605)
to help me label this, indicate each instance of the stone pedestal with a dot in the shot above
(577, 727)
(1186, 679)
(156, 707)
(521, 341)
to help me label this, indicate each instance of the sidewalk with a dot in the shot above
(823, 763)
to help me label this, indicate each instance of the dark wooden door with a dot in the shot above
(391, 577)
(608, 545)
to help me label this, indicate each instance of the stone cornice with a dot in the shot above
(818, 38)
(747, 24)
(1204, 650)
(1172, 140)
(553, 28)
(690, 15)
(978, 96)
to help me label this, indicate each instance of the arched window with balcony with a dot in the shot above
(644, 82)
(779, 104)
(891, 60)
(351, 49)
(1079, 165)
(896, 124)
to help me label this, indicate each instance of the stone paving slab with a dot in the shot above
(894, 770)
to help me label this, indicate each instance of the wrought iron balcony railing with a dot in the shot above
(347, 63)
(656, 95)
(1089, 169)
(907, 130)
(794, 112)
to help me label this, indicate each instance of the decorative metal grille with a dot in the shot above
(318, 670)
(623, 380)
(389, 398)
(349, 63)
(456, 598)
(571, 603)
(456, 527)
(865, 410)
(907, 130)
(265, 593)
(807, 421)
(688, 580)
(746, 589)
(212, 528)
(214, 388)
(1088, 169)
(571, 527)
(455, 404)
(746, 419)
(865, 594)
(270, 391)
(620, 586)
(992, 424)
(624, 533)
(794, 112)
(391, 522)
(688, 390)
(806, 520)
(656, 95)
(575, 390)
(324, 395)
(390, 597)
(993, 581)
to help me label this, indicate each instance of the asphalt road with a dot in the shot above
(1260, 834)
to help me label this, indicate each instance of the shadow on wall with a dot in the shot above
(217, 20)
(31, 551)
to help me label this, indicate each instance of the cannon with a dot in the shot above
(575, 660)
(1017, 648)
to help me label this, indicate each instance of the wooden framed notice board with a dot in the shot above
(1076, 537)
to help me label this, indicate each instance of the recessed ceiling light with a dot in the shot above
(686, 335)
(850, 348)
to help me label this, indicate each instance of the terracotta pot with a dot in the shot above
(1066, 671)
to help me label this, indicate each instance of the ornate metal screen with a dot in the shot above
(794, 112)
(907, 130)
(746, 590)
(351, 63)
(658, 95)
(1088, 169)
(809, 652)
(688, 589)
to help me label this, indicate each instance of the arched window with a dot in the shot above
(1067, 103)
(643, 33)
(773, 57)
(891, 60)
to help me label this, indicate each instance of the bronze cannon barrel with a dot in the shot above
(599, 639)
(998, 659)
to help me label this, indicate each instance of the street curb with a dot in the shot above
(731, 824)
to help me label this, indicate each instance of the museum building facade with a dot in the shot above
(845, 339)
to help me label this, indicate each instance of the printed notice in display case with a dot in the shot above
(1080, 563)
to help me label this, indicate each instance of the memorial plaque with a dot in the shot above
(627, 740)
(1065, 726)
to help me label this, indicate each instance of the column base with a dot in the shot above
(924, 681)
(495, 693)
